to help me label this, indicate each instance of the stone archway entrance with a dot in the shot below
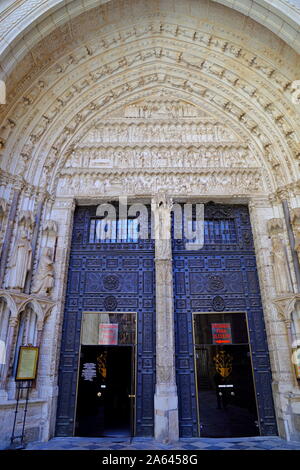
(196, 102)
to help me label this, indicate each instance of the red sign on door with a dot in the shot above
(221, 333)
(108, 333)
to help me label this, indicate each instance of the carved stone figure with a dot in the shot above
(295, 219)
(3, 209)
(20, 262)
(280, 266)
(297, 240)
(162, 226)
(44, 279)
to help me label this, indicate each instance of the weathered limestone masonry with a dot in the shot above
(196, 100)
(285, 386)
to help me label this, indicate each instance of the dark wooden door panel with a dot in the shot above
(221, 277)
(107, 277)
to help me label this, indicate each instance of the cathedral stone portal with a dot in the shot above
(163, 105)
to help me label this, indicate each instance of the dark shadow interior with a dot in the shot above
(103, 403)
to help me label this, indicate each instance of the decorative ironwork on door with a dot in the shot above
(116, 276)
(221, 277)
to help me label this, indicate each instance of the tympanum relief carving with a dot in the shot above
(156, 144)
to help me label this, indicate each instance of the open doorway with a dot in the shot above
(104, 391)
(224, 376)
(106, 379)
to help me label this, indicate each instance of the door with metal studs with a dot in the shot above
(108, 276)
(217, 293)
(222, 359)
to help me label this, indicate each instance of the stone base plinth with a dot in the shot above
(166, 413)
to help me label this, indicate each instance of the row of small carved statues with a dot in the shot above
(21, 264)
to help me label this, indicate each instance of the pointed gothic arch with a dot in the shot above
(95, 109)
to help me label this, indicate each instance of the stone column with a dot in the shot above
(165, 398)
(12, 331)
(8, 233)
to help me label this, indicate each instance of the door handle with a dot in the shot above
(131, 396)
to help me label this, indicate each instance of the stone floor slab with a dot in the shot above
(78, 443)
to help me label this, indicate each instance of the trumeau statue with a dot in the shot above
(161, 207)
(20, 262)
(44, 279)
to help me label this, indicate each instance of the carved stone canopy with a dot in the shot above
(275, 226)
(42, 307)
(26, 219)
(162, 200)
(285, 306)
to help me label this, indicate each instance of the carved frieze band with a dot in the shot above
(185, 181)
(155, 156)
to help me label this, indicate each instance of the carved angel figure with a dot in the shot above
(44, 279)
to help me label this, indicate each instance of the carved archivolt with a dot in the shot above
(80, 118)
(15, 21)
(50, 127)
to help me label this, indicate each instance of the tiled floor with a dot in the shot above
(82, 443)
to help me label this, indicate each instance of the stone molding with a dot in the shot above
(238, 112)
(282, 17)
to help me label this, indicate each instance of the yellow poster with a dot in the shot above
(296, 361)
(27, 363)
